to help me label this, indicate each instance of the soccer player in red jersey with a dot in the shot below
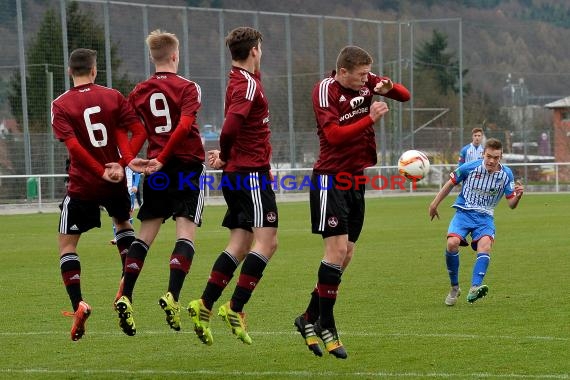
(345, 114)
(93, 121)
(252, 216)
(168, 105)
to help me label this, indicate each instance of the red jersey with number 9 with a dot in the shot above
(160, 101)
(92, 114)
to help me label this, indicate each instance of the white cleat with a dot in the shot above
(453, 295)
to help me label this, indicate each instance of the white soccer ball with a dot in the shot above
(413, 164)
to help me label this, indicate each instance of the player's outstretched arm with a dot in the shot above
(444, 192)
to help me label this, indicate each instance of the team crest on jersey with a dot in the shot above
(271, 217)
(332, 221)
(364, 91)
(356, 102)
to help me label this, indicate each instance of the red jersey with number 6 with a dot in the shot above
(92, 114)
(160, 101)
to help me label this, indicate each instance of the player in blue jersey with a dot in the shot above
(485, 181)
(474, 150)
(133, 180)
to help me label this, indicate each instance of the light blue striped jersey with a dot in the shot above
(481, 190)
(470, 153)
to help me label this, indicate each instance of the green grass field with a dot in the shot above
(390, 310)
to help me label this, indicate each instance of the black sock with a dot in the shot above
(329, 280)
(312, 312)
(71, 275)
(133, 266)
(124, 240)
(251, 273)
(221, 274)
(180, 263)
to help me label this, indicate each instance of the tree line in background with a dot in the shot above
(436, 73)
(435, 65)
(45, 56)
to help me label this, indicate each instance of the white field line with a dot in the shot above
(281, 333)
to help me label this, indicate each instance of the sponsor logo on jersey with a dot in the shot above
(342, 99)
(349, 115)
(356, 102)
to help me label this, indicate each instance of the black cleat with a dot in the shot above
(331, 340)
(307, 330)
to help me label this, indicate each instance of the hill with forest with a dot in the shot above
(527, 39)
(523, 40)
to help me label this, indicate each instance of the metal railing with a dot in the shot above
(38, 193)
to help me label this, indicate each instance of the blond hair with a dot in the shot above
(161, 45)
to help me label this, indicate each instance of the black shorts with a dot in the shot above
(334, 211)
(174, 191)
(78, 216)
(250, 199)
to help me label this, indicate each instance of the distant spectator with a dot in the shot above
(544, 145)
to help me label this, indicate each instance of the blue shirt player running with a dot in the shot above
(485, 181)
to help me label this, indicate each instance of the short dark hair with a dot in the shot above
(351, 57)
(241, 40)
(493, 143)
(476, 130)
(81, 61)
